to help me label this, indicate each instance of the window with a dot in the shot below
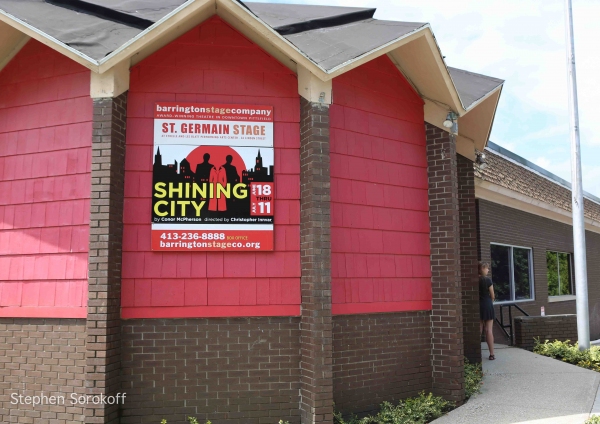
(560, 273)
(512, 272)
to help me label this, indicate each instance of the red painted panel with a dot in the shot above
(142, 293)
(379, 204)
(224, 291)
(45, 154)
(167, 292)
(196, 292)
(212, 62)
(127, 292)
(248, 293)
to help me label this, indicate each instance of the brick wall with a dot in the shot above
(231, 371)
(379, 204)
(557, 327)
(316, 390)
(468, 259)
(42, 355)
(106, 232)
(380, 357)
(446, 304)
(45, 140)
(501, 224)
(198, 67)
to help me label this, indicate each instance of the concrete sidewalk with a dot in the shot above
(522, 387)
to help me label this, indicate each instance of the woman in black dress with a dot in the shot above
(486, 306)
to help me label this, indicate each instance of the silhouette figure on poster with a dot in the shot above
(218, 177)
(204, 169)
(233, 178)
(231, 171)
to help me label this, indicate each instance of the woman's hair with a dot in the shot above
(483, 265)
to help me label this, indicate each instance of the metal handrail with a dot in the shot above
(510, 320)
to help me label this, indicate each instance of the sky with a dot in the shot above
(522, 42)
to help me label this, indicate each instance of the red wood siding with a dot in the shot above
(379, 204)
(212, 62)
(45, 155)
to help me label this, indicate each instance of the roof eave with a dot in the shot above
(49, 41)
(476, 125)
(295, 54)
(13, 42)
(193, 11)
(230, 9)
(379, 51)
(499, 91)
(460, 108)
(173, 21)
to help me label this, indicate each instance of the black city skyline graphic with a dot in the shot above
(224, 173)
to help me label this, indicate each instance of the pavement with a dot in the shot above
(522, 387)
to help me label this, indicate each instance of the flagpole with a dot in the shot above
(581, 286)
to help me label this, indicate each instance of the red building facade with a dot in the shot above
(379, 220)
(354, 305)
(213, 284)
(46, 158)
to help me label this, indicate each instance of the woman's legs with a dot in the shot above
(489, 335)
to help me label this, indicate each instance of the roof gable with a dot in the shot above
(324, 41)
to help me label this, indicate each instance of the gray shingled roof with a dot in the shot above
(145, 9)
(328, 35)
(92, 34)
(496, 148)
(472, 87)
(511, 171)
(334, 46)
(282, 16)
(331, 36)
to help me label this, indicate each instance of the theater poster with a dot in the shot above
(212, 186)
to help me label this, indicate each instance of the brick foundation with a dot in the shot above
(229, 371)
(42, 355)
(316, 393)
(446, 313)
(468, 259)
(380, 357)
(555, 327)
(106, 232)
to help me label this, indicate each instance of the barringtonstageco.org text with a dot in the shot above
(71, 399)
